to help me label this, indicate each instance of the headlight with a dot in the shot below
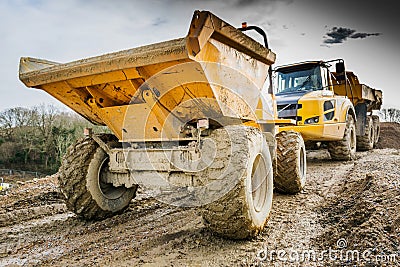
(312, 120)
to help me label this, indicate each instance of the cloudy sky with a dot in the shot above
(363, 33)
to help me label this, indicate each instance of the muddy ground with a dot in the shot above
(348, 215)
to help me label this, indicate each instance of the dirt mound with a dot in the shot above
(364, 215)
(390, 135)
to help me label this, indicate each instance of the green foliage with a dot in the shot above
(36, 139)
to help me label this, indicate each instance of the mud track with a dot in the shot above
(345, 206)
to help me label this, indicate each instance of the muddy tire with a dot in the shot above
(81, 179)
(345, 149)
(290, 164)
(366, 142)
(243, 211)
(377, 128)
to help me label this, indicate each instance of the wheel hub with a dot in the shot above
(259, 183)
(108, 190)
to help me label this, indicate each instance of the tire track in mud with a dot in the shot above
(31, 200)
(295, 218)
(69, 240)
(129, 235)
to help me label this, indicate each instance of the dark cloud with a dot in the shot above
(363, 35)
(236, 3)
(252, 2)
(338, 35)
(159, 21)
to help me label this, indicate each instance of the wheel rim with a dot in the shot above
(259, 183)
(352, 139)
(108, 190)
(302, 166)
(377, 132)
(371, 136)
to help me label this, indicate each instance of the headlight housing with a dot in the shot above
(312, 120)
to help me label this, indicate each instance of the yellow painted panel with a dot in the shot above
(318, 132)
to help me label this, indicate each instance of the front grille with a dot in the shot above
(289, 111)
(289, 106)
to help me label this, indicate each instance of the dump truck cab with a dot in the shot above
(305, 93)
(322, 101)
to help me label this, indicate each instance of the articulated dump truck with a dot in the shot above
(328, 107)
(194, 124)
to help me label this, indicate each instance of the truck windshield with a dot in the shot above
(294, 80)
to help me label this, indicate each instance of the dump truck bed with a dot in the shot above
(109, 80)
(100, 88)
(37, 72)
(360, 93)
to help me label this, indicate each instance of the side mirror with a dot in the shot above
(340, 71)
(340, 67)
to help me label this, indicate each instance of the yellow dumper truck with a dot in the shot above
(194, 124)
(330, 107)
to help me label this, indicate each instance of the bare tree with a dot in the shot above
(391, 115)
(7, 123)
(37, 138)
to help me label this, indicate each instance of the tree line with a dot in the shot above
(35, 139)
(390, 115)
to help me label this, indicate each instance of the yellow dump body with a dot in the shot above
(358, 92)
(149, 92)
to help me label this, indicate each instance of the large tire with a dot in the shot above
(377, 127)
(81, 178)
(345, 149)
(243, 211)
(366, 142)
(290, 164)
